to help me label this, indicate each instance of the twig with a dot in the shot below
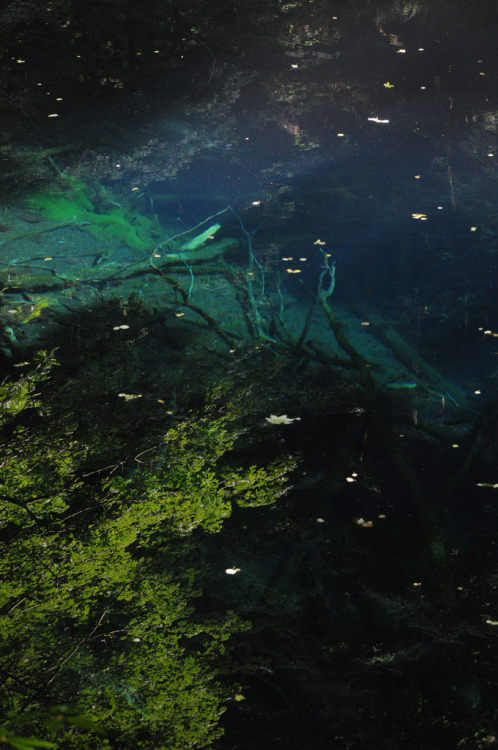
(253, 261)
(33, 233)
(196, 39)
(188, 231)
(185, 297)
(76, 647)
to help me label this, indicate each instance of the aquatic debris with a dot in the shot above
(283, 419)
(232, 571)
(201, 239)
(203, 252)
(363, 523)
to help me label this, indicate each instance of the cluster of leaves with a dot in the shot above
(97, 589)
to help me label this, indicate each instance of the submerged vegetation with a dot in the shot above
(94, 209)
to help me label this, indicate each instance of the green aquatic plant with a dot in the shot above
(93, 208)
(35, 310)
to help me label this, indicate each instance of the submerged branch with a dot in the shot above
(195, 308)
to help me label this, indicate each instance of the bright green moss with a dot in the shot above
(75, 200)
(132, 230)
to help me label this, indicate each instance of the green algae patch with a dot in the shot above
(93, 209)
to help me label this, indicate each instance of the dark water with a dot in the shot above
(301, 135)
